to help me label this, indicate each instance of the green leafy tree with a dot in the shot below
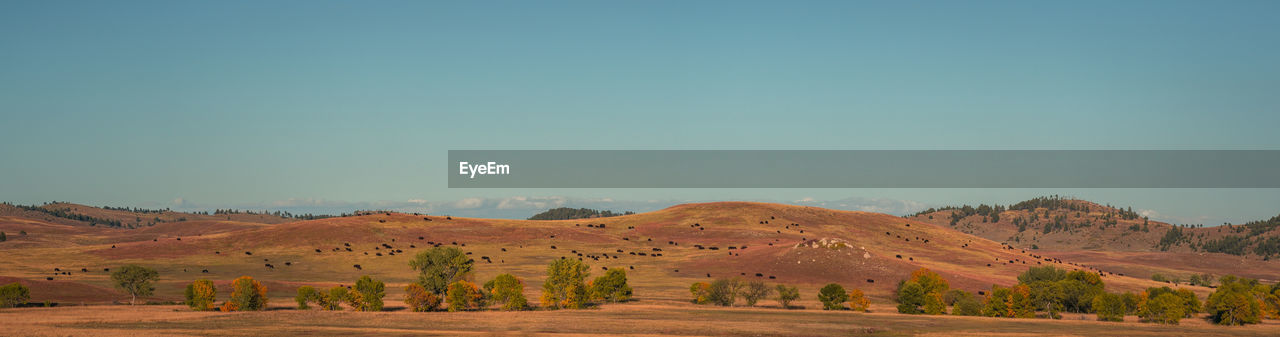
(509, 290)
(1048, 296)
(911, 297)
(1167, 308)
(337, 295)
(786, 295)
(966, 304)
(371, 293)
(135, 280)
(612, 287)
(565, 285)
(441, 266)
(754, 291)
(833, 297)
(14, 294)
(1110, 307)
(200, 295)
(1233, 303)
(306, 294)
(724, 292)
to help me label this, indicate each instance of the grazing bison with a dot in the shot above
(48, 279)
(357, 267)
(206, 271)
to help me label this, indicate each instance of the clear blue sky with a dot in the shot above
(270, 104)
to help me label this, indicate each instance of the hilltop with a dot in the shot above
(1064, 224)
(82, 215)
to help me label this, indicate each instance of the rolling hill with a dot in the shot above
(663, 251)
(1061, 224)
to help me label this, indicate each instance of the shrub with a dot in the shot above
(701, 292)
(247, 295)
(509, 290)
(858, 301)
(1166, 308)
(200, 295)
(464, 295)
(1110, 307)
(370, 293)
(565, 287)
(419, 299)
(135, 280)
(833, 297)
(14, 294)
(441, 266)
(612, 287)
(786, 295)
(754, 291)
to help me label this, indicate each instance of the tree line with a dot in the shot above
(566, 213)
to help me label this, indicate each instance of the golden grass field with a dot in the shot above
(796, 245)
(640, 318)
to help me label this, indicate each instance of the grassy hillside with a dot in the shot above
(663, 251)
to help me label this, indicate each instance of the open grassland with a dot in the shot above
(639, 318)
(663, 252)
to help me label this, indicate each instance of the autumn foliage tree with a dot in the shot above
(464, 295)
(923, 293)
(701, 292)
(419, 299)
(246, 295)
(858, 301)
(200, 295)
(565, 286)
(1014, 302)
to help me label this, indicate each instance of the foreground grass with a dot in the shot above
(666, 318)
